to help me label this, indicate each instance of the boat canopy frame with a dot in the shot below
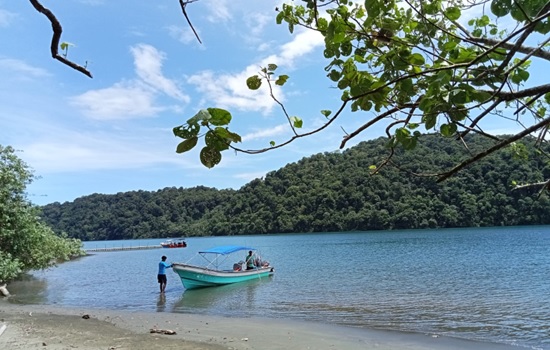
(216, 256)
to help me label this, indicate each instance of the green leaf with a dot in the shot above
(448, 129)
(280, 17)
(202, 115)
(233, 137)
(281, 80)
(501, 8)
(297, 122)
(187, 132)
(271, 67)
(216, 141)
(254, 82)
(429, 120)
(453, 13)
(272, 143)
(326, 112)
(457, 114)
(210, 157)
(334, 75)
(187, 145)
(416, 59)
(219, 116)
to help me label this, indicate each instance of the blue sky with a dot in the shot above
(113, 133)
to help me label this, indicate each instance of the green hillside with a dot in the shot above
(329, 192)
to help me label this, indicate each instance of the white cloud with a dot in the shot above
(22, 67)
(134, 98)
(230, 90)
(6, 18)
(218, 11)
(183, 34)
(148, 62)
(303, 43)
(264, 133)
(120, 101)
(255, 23)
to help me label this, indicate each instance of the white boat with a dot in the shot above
(217, 270)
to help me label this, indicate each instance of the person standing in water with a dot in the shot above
(161, 277)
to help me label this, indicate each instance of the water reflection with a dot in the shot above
(161, 302)
(232, 299)
(28, 289)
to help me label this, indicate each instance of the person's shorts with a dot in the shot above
(161, 278)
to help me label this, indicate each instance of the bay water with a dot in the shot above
(484, 284)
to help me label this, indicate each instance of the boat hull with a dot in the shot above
(199, 277)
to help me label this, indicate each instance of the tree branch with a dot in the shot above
(57, 30)
(538, 52)
(183, 4)
(495, 148)
(373, 121)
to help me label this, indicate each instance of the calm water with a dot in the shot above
(490, 285)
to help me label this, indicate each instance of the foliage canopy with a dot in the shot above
(440, 66)
(26, 242)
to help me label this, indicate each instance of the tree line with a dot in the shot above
(332, 191)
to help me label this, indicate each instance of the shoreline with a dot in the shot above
(59, 328)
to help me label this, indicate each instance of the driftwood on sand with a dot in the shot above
(4, 291)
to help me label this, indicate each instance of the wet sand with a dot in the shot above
(49, 327)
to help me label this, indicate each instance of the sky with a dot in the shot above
(113, 133)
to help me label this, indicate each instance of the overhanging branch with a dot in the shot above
(57, 30)
(495, 148)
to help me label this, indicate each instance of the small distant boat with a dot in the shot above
(217, 270)
(174, 243)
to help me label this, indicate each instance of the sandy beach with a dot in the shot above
(32, 327)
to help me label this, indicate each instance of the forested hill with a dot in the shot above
(328, 192)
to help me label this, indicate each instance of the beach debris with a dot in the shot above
(86, 316)
(244, 339)
(163, 331)
(44, 344)
(4, 291)
(3, 328)
(30, 314)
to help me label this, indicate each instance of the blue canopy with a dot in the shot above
(227, 249)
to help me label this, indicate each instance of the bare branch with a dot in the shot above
(331, 120)
(373, 121)
(57, 30)
(537, 52)
(495, 148)
(514, 95)
(183, 4)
